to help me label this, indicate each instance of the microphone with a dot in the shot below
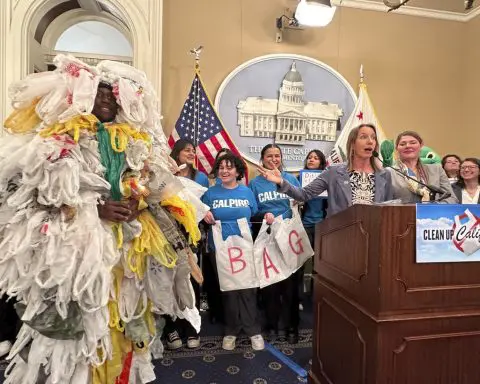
(432, 188)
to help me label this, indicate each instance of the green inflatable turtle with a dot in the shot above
(427, 154)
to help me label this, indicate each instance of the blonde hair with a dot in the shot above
(352, 137)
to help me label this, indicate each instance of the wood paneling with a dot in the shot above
(402, 322)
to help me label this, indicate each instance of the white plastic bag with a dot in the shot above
(141, 370)
(234, 256)
(156, 348)
(158, 285)
(269, 263)
(192, 193)
(130, 297)
(292, 239)
(163, 185)
(464, 225)
(192, 315)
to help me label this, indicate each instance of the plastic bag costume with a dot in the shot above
(91, 292)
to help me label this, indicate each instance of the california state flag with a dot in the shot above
(363, 113)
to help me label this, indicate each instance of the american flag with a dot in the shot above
(199, 123)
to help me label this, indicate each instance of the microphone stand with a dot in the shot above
(433, 191)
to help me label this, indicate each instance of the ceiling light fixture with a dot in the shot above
(314, 13)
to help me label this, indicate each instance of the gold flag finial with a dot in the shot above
(196, 52)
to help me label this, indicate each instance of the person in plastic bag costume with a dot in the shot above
(92, 226)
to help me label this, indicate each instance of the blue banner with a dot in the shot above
(448, 233)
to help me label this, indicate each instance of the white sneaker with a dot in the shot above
(257, 342)
(193, 342)
(229, 343)
(5, 347)
(174, 341)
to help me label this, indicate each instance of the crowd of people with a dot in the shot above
(361, 180)
(225, 197)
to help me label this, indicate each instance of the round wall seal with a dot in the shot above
(294, 101)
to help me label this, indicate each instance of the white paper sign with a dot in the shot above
(292, 239)
(234, 257)
(269, 264)
(307, 176)
(241, 264)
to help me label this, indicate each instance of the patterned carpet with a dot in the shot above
(210, 364)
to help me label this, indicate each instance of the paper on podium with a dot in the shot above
(391, 202)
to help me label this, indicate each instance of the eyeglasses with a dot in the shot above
(465, 167)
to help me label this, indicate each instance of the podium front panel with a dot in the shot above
(352, 347)
(368, 254)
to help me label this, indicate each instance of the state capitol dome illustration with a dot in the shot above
(290, 119)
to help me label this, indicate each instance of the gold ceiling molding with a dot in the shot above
(409, 10)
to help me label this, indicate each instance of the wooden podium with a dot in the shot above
(380, 317)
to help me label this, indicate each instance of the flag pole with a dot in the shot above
(196, 115)
(361, 74)
(196, 110)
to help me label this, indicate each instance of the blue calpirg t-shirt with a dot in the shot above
(219, 181)
(201, 179)
(269, 199)
(228, 205)
(313, 212)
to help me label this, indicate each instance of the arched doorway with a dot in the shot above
(90, 34)
(26, 23)
(94, 37)
(91, 40)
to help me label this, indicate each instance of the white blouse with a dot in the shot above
(467, 199)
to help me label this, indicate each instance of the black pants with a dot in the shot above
(281, 300)
(240, 312)
(239, 308)
(182, 326)
(301, 280)
(256, 226)
(311, 235)
(281, 303)
(9, 321)
(211, 287)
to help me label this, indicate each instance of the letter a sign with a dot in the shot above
(269, 263)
